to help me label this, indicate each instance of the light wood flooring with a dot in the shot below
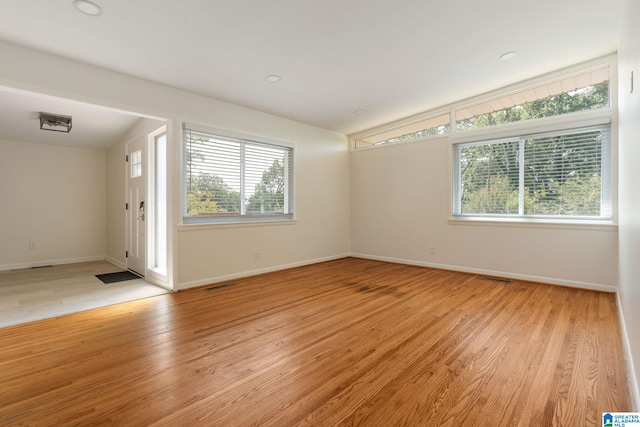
(346, 342)
(33, 294)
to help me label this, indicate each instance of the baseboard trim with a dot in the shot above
(157, 279)
(509, 275)
(634, 389)
(212, 280)
(116, 262)
(42, 263)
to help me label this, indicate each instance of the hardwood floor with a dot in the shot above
(347, 342)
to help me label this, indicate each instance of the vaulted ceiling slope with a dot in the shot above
(390, 58)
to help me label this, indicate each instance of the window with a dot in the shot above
(233, 178)
(415, 129)
(562, 174)
(136, 164)
(579, 92)
(159, 247)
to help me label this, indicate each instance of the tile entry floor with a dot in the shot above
(33, 294)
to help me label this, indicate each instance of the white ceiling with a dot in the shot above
(92, 126)
(392, 58)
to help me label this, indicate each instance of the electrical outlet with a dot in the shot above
(32, 245)
(432, 250)
(256, 256)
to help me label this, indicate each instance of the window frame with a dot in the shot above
(522, 97)
(566, 122)
(402, 132)
(246, 217)
(158, 191)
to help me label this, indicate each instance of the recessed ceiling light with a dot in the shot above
(508, 55)
(359, 112)
(87, 7)
(273, 78)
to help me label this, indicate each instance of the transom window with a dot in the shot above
(584, 91)
(412, 130)
(232, 178)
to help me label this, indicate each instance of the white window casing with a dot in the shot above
(231, 177)
(565, 174)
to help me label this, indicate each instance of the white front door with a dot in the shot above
(136, 207)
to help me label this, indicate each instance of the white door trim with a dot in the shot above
(135, 205)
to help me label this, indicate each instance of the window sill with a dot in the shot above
(239, 224)
(537, 223)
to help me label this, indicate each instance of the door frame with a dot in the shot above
(164, 276)
(158, 216)
(143, 141)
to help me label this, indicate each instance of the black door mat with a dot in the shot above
(119, 276)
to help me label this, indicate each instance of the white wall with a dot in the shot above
(401, 204)
(52, 196)
(115, 202)
(204, 255)
(321, 208)
(629, 184)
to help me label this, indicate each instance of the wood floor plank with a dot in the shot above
(346, 342)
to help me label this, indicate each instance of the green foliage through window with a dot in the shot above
(227, 178)
(439, 130)
(559, 174)
(412, 130)
(588, 98)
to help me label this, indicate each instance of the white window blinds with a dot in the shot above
(561, 174)
(231, 179)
